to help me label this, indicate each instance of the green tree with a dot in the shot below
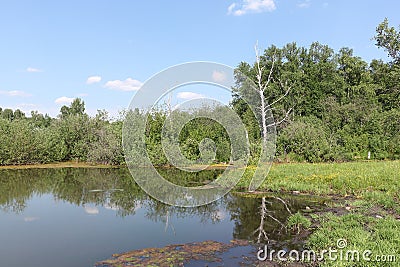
(388, 38)
(76, 133)
(106, 147)
(39, 120)
(8, 114)
(386, 78)
(18, 114)
(77, 108)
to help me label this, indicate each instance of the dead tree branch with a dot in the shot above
(264, 213)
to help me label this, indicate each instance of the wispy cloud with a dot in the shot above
(189, 95)
(15, 93)
(64, 100)
(127, 85)
(31, 219)
(304, 4)
(93, 79)
(30, 69)
(251, 6)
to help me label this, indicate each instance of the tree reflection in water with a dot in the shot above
(256, 217)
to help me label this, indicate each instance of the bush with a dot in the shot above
(306, 140)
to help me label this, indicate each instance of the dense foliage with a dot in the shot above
(343, 108)
(72, 136)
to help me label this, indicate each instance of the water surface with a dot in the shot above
(79, 216)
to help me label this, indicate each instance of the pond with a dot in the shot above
(80, 216)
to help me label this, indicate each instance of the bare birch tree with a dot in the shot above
(264, 79)
(255, 86)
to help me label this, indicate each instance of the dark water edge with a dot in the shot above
(80, 216)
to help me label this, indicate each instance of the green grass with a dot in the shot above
(371, 193)
(352, 178)
(297, 222)
(380, 236)
(357, 179)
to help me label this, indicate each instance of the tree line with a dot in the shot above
(339, 108)
(72, 136)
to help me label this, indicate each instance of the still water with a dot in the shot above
(79, 216)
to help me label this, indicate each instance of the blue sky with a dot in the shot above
(102, 50)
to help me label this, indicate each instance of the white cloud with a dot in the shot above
(93, 79)
(251, 6)
(304, 4)
(30, 69)
(218, 76)
(15, 93)
(189, 95)
(28, 105)
(231, 7)
(91, 210)
(127, 85)
(64, 100)
(31, 219)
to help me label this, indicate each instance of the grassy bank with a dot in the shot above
(368, 179)
(368, 217)
(379, 180)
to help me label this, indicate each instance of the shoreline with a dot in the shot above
(75, 164)
(67, 164)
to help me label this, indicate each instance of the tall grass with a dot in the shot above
(354, 178)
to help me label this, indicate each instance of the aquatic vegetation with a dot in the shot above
(172, 255)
